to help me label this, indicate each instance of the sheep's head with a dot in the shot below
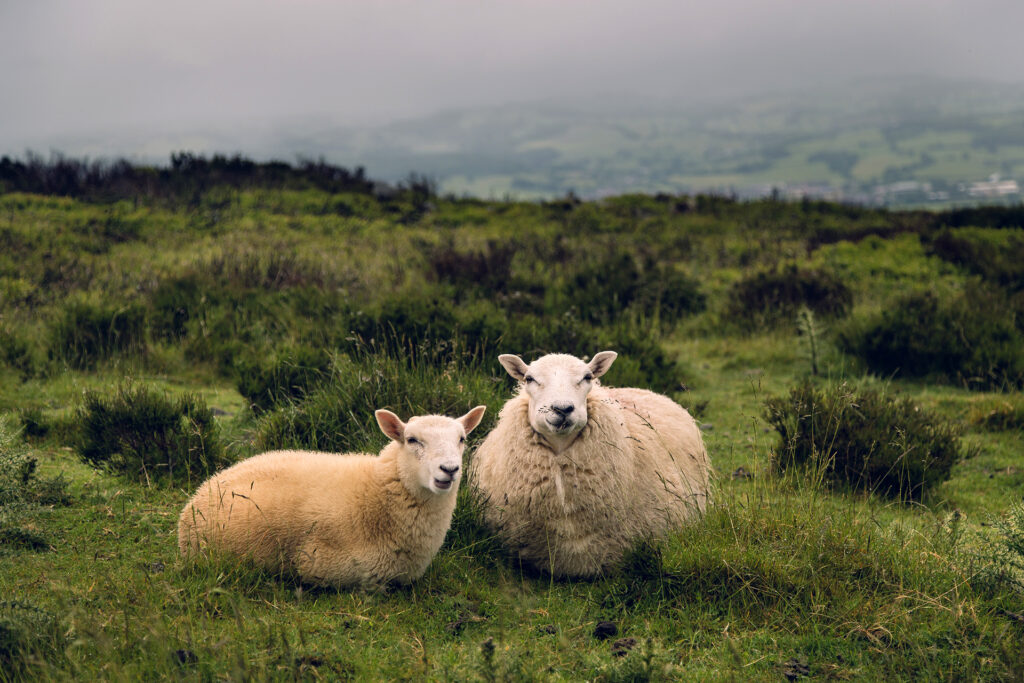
(432, 445)
(557, 385)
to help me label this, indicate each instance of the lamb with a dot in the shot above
(574, 473)
(353, 520)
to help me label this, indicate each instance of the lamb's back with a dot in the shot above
(267, 505)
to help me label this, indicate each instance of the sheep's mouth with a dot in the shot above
(443, 484)
(560, 425)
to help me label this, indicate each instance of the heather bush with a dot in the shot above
(863, 439)
(968, 338)
(771, 298)
(603, 290)
(145, 435)
(995, 254)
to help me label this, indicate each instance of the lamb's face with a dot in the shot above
(557, 386)
(432, 447)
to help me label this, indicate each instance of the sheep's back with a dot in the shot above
(672, 466)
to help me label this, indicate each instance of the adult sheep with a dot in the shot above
(354, 520)
(575, 473)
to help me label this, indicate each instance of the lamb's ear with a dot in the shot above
(514, 365)
(471, 419)
(390, 424)
(601, 362)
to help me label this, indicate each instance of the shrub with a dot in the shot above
(967, 339)
(996, 255)
(615, 283)
(290, 375)
(863, 439)
(86, 333)
(147, 436)
(338, 415)
(773, 297)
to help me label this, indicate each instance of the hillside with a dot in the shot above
(265, 306)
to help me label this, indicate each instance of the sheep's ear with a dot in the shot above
(471, 419)
(391, 425)
(601, 362)
(514, 365)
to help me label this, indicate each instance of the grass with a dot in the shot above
(782, 578)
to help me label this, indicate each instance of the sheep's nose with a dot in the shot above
(563, 409)
(449, 469)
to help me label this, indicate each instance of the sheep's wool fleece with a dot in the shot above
(637, 469)
(338, 520)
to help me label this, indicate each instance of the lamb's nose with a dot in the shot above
(563, 409)
(449, 469)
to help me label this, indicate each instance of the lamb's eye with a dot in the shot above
(530, 379)
(412, 440)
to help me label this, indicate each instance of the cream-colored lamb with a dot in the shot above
(575, 473)
(353, 520)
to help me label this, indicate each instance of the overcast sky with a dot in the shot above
(69, 67)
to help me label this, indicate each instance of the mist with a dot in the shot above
(120, 68)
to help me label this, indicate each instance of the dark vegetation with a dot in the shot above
(310, 296)
(863, 439)
(148, 437)
(969, 338)
(186, 178)
(774, 297)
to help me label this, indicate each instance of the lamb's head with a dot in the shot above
(557, 386)
(430, 457)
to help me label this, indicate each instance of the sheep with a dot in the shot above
(354, 520)
(575, 473)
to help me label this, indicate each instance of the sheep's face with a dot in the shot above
(432, 446)
(557, 386)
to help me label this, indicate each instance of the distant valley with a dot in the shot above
(892, 142)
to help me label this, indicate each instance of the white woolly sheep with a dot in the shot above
(353, 520)
(575, 473)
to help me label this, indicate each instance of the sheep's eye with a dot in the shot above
(530, 379)
(412, 440)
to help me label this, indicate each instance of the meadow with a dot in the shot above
(858, 376)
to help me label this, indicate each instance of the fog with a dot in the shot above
(128, 67)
